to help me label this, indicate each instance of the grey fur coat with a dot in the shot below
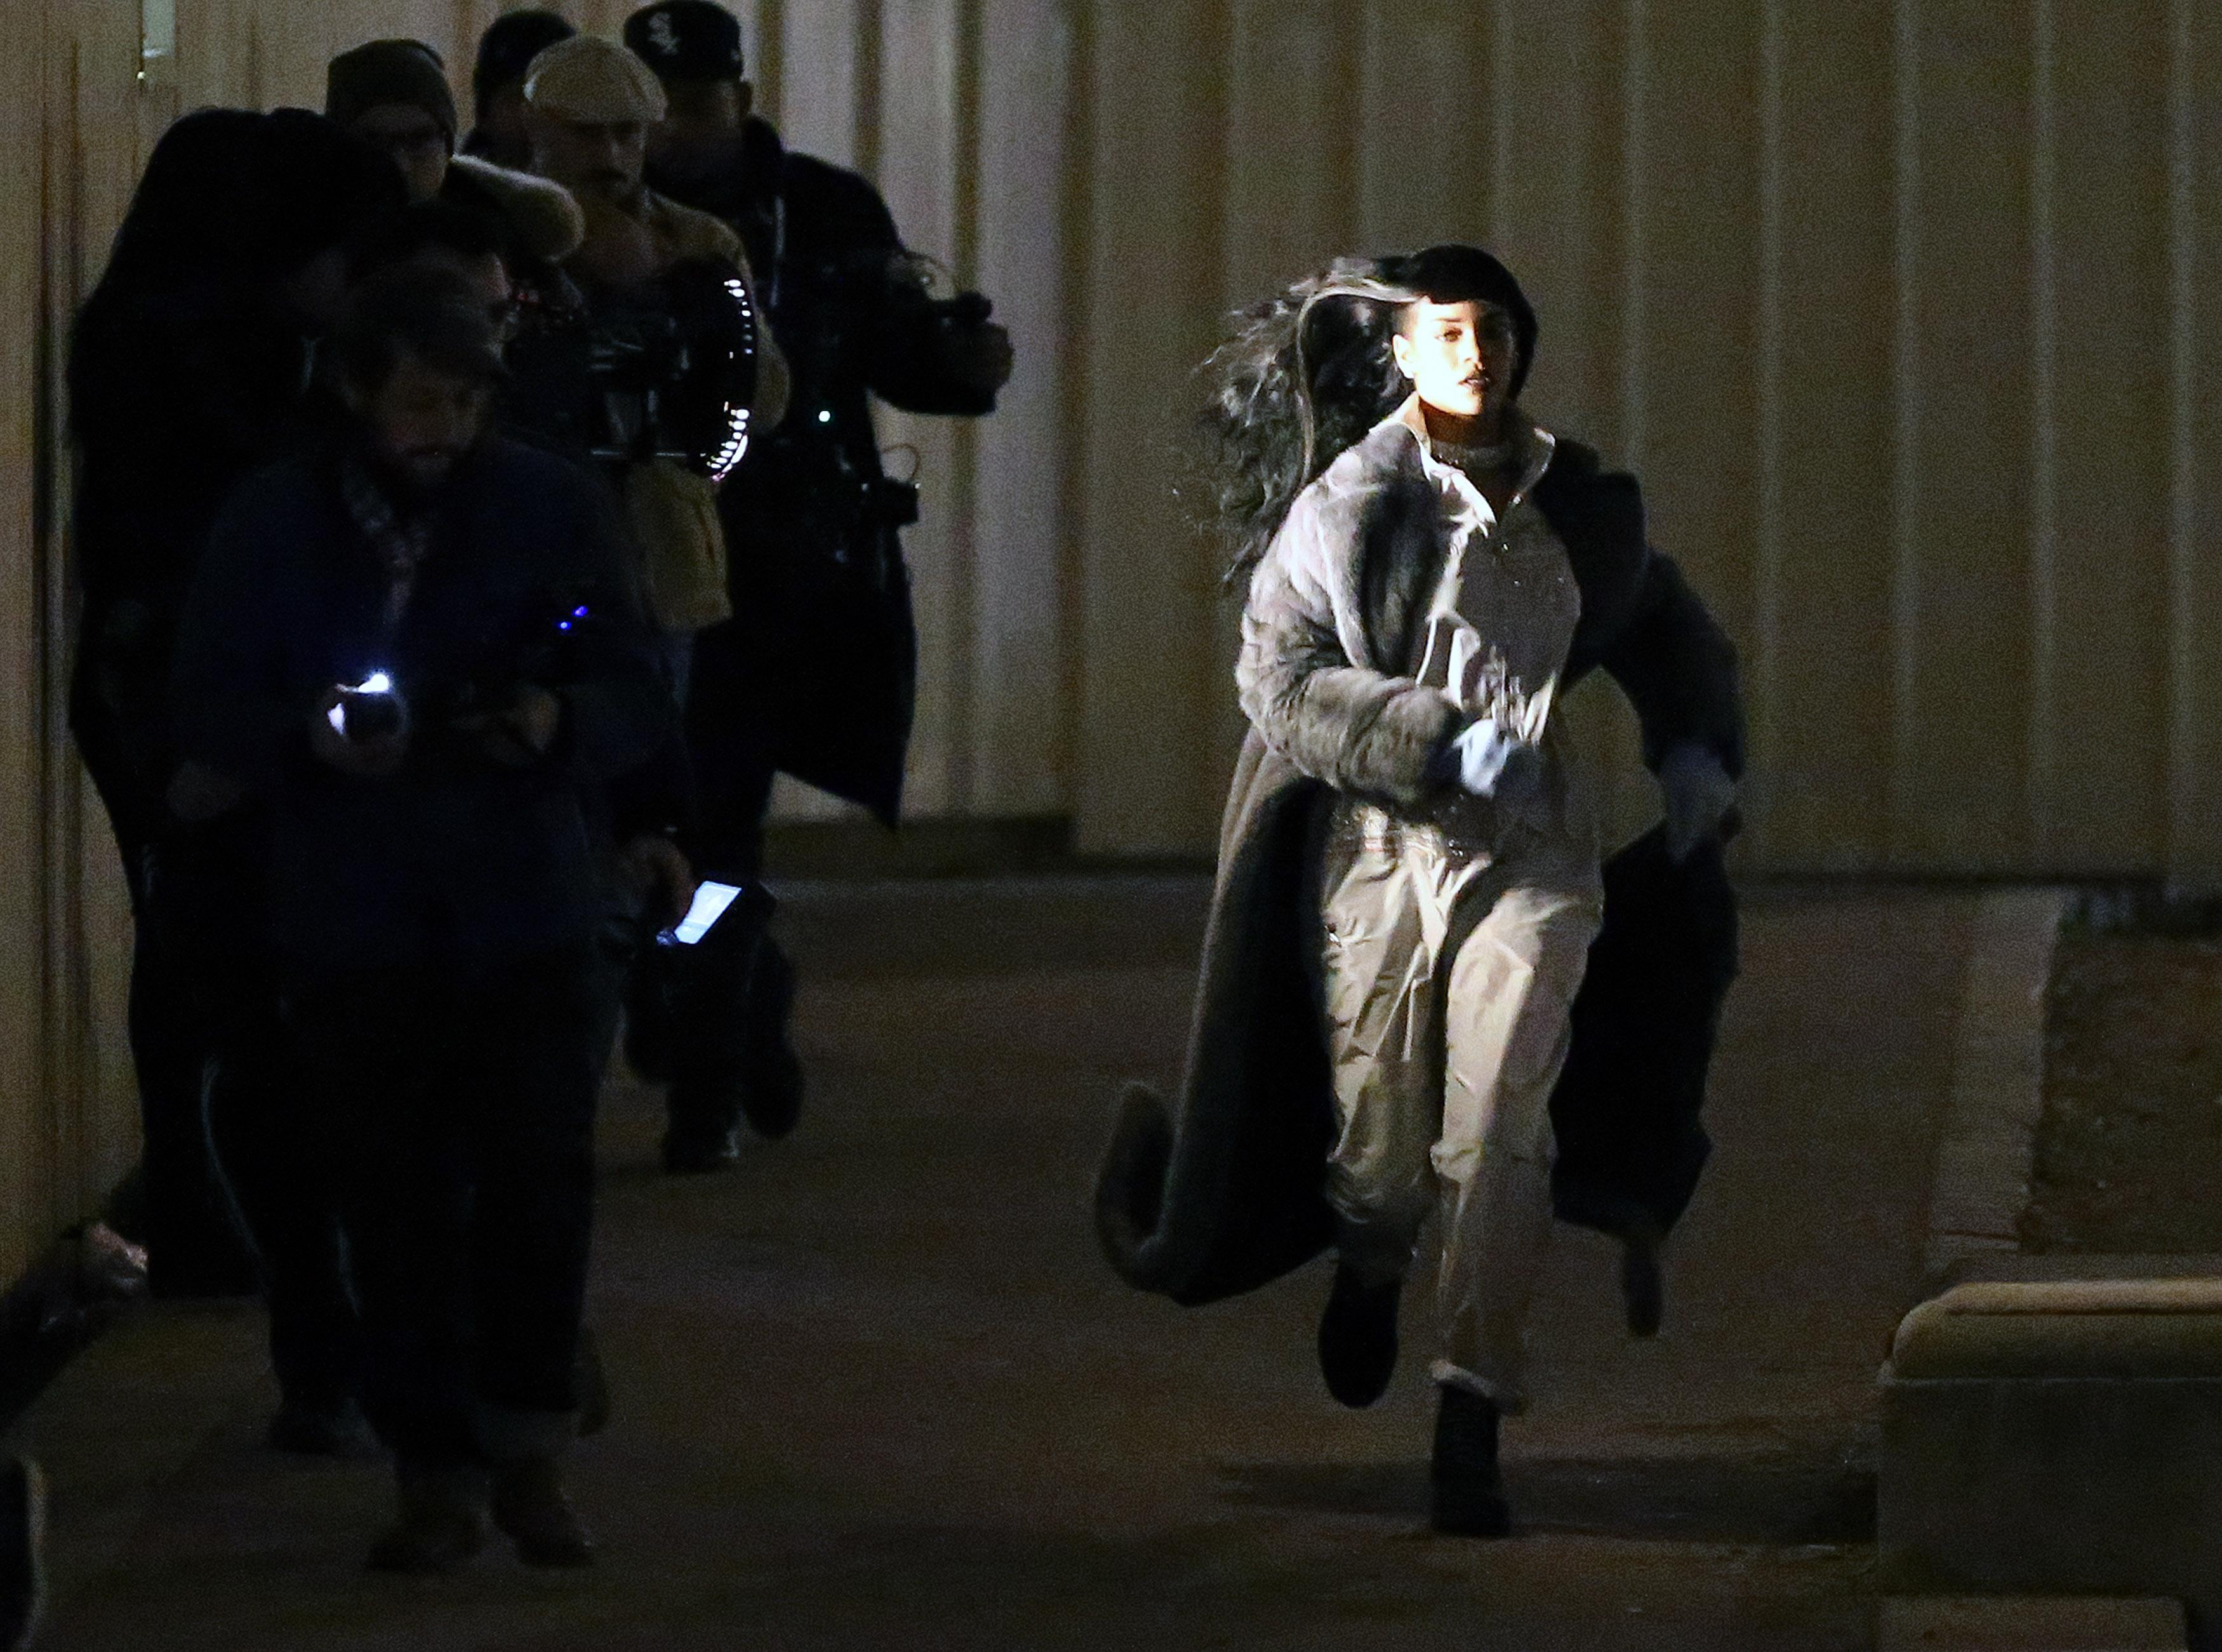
(1218, 1191)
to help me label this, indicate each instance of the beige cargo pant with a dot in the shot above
(1449, 980)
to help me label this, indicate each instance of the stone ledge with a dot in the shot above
(2029, 1624)
(1981, 1180)
(2119, 1330)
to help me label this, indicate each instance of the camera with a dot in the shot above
(542, 652)
(675, 373)
(370, 710)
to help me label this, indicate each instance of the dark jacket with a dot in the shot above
(175, 396)
(821, 655)
(455, 854)
(1221, 1190)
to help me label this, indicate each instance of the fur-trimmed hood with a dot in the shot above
(547, 223)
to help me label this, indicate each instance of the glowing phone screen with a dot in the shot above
(711, 901)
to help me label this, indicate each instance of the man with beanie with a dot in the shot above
(395, 94)
(816, 673)
(505, 52)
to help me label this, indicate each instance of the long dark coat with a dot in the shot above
(1221, 1190)
(816, 674)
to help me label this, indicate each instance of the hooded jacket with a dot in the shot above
(1220, 1190)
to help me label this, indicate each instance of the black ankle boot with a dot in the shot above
(442, 1524)
(1358, 1338)
(1468, 1490)
(1642, 1287)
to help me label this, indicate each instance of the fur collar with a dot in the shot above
(548, 224)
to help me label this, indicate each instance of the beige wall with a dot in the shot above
(1908, 313)
(1905, 313)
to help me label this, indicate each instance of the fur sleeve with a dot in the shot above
(544, 216)
(1358, 729)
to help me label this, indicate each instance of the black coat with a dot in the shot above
(175, 395)
(819, 665)
(456, 853)
(1222, 1189)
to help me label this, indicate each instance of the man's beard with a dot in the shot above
(411, 485)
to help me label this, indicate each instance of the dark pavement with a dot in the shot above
(876, 1388)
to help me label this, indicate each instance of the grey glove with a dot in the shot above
(1699, 795)
(1484, 761)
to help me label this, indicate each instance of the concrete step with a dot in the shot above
(2029, 1624)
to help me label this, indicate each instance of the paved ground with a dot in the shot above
(877, 1389)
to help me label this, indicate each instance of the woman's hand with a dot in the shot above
(1699, 795)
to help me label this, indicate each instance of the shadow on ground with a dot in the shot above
(1670, 1499)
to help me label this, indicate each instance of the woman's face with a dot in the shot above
(1460, 357)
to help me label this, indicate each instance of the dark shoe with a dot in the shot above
(771, 1097)
(1642, 1289)
(698, 1153)
(22, 1551)
(530, 1507)
(1467, 1488)
(1358, 1338)
(650, 1038)
(771, 1100)
(310, 1430)
(442, 1525)
(593, 1383)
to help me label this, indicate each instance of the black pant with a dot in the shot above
(718, 1013)
(231, 1181)
(461, 1102)
(204, 1041)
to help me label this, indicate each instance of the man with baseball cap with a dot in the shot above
(816, 674)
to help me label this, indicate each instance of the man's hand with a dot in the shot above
(655, 876)
(523, 734)
(1699, 795)
(371, 759)
(199, 794)
(981, 357)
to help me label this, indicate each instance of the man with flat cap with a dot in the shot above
(816, 673)
(590, 105)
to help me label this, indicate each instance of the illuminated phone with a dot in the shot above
(710, 902)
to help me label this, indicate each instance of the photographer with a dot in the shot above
(394, 94)
(589, 106)
(422, 648)
(816, 673)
